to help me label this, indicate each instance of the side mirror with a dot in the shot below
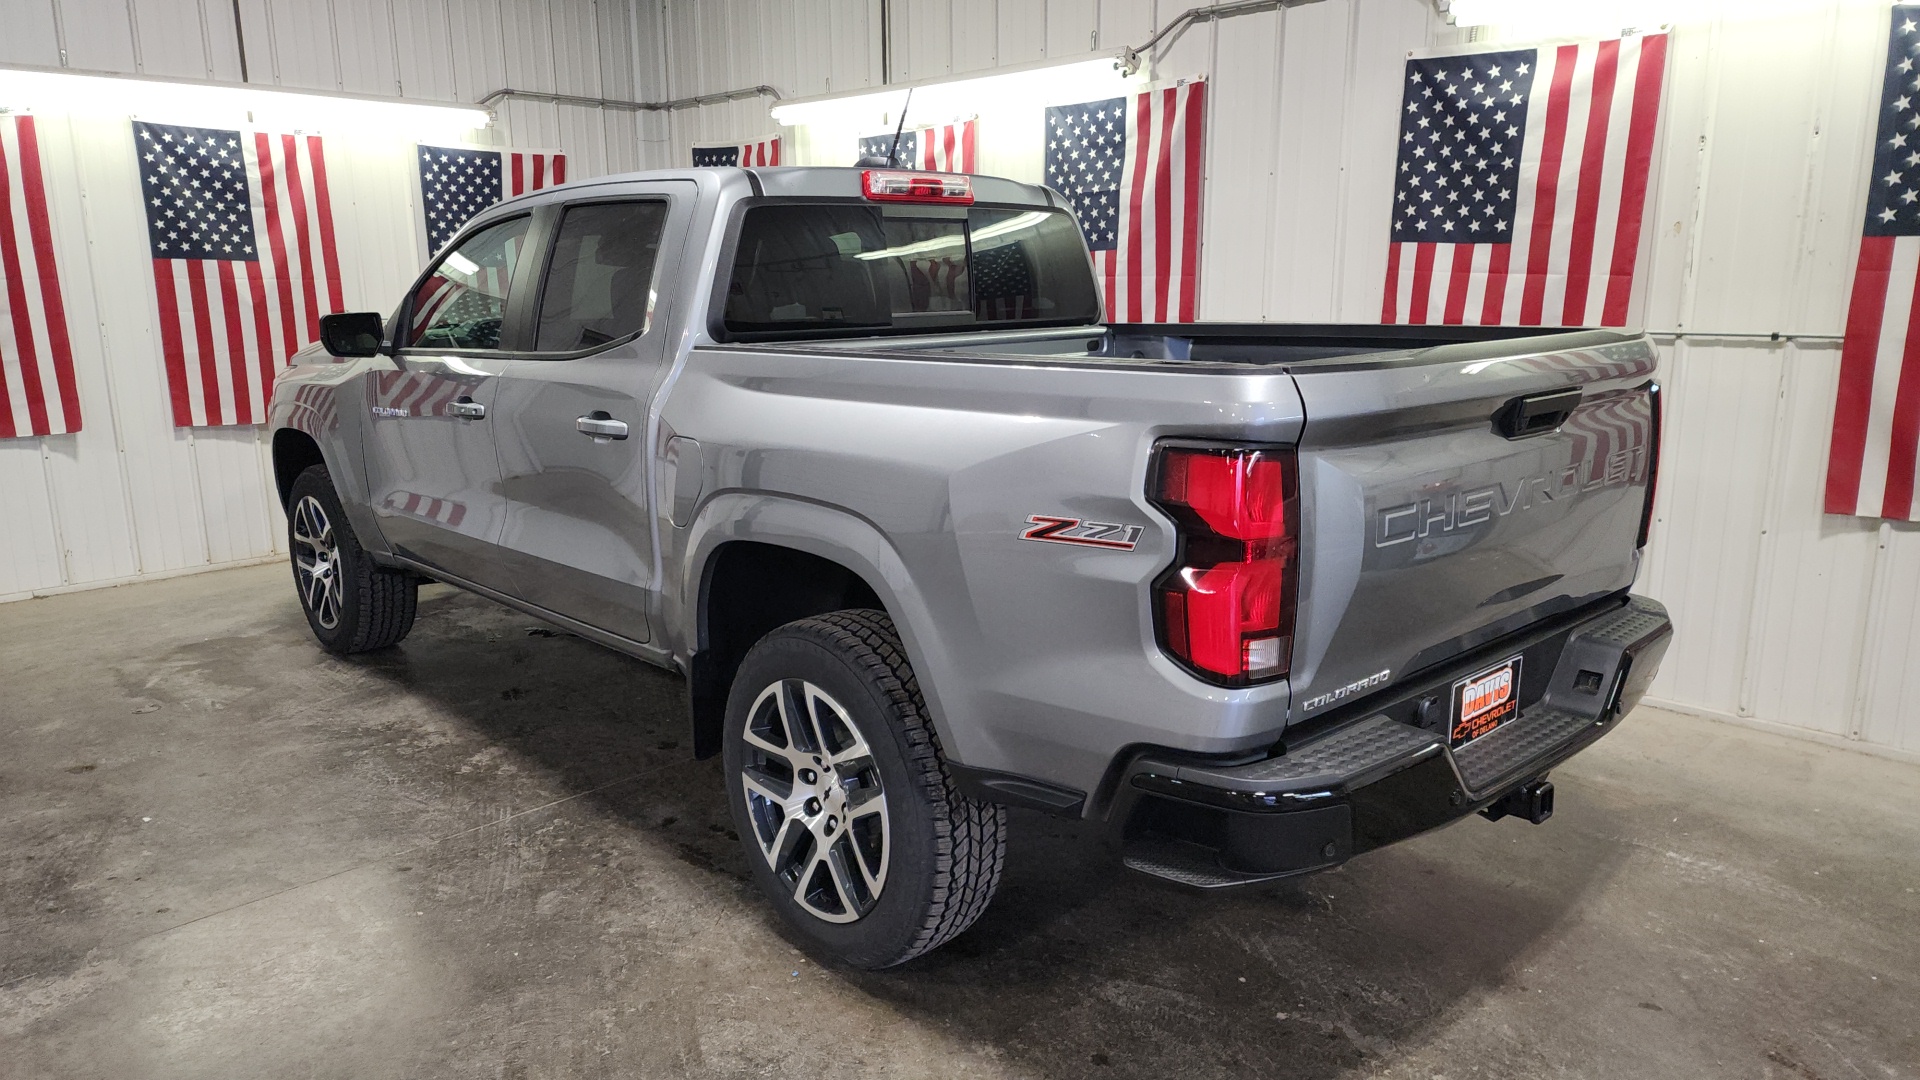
(354, 333)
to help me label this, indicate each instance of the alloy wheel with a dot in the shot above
(318, 567)
(815, 798)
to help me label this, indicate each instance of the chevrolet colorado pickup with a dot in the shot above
(855, 452)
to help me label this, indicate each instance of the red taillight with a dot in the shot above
(1226, 606)
(890, 185)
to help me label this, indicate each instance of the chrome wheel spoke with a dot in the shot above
(772, 789)
(814, 794)
(318, 576)
(865, 802)
(843, 876)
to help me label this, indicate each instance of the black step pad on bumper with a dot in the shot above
(1375, 780)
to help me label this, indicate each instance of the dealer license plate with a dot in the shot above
(1484, 701)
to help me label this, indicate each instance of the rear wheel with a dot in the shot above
(841, 795)
(352, 604)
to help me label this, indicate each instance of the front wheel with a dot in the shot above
(841, 795)
(352, 604)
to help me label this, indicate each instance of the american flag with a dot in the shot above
(1876, 420)
(37, 393)
(942, 147)
(459, 182)
(241, 233)
(750, 154)
(1131, 167)
(1521, 184)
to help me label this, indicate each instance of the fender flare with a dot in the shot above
(829, 532)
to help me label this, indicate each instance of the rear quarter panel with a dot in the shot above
(1036, 658)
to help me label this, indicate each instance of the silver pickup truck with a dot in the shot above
(854, 451)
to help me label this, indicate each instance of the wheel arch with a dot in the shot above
(757, 563)
(294, 452)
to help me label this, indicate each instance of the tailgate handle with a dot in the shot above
(1535, 414)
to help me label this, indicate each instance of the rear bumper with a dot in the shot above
(1381, 777)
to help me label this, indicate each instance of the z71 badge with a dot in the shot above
(1065, 530)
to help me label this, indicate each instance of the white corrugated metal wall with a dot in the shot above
(1787, 616)
(131, 495)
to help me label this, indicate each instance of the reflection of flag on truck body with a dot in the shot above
(751, 154)
(241, 233)
(459, 182)
(942, 147)
(1132, 167)
(37, 392)
(1522, 183)
(1876, 419)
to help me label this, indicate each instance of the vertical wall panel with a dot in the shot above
(614, 43)
(1381, 38)
(84, 469)
(528, 27)
(1126, 22)
(1815, 572)
(30, 37)
(162, 485)
(855, 43)
(1889, 704)
(172, 40)
(1309, 181)
(423, 49)
(928, 27)
(973, 27)
(1021, 32)
(1239, 201)
(1716, 454)
(363, 31)
(221, 39)
(302, 38)
(29, 553)
(576, 58)
(478, 47)
(98, 34)
(1071, 27)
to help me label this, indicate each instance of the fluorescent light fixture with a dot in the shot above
(182, 101)
(1608, 16)
(942, 101)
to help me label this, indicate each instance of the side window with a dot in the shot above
(463, 303)
(600, 285)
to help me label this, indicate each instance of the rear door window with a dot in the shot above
(599, 287)
(814, 267)
(463, 303)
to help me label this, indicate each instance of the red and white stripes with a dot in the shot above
(1612, 438)
(1575, 242)
(948, 147)
(413, 394)
(1153, 272)
(37, 391)
(226, 326)
(532, 170)
(1876, 425)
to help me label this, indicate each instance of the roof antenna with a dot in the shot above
(893, 152)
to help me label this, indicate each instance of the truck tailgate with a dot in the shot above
(1436, 521)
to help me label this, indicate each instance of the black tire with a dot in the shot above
(373, 606)
(944, 851)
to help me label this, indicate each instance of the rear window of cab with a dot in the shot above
(812, 268)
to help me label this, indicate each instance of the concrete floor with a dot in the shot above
(486, 853)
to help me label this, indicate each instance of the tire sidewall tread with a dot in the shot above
(377, 604)
(956, 844)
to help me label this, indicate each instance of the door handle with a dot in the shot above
(466, 409)
(601, 426)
